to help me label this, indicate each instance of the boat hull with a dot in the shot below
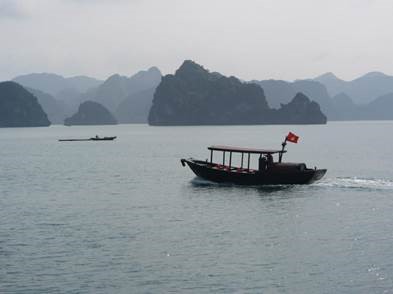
(102, 139)
(273, 176)
(90, 139)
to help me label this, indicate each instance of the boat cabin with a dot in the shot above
(265, 160)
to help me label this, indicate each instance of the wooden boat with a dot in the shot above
(269, 172)
(96, 138)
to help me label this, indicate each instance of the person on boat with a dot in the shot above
(270, 161)
(262, 163)
(96, 136)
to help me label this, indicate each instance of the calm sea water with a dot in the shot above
(126, 217)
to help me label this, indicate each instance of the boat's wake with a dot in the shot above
(197, 181)
(356, 183)
(370, 184)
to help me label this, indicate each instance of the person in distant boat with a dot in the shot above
(96, 136)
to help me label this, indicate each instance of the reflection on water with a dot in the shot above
(198, 182)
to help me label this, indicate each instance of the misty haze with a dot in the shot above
(196, 146)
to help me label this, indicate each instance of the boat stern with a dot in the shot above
(319, 173)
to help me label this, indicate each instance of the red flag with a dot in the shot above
(291, 137)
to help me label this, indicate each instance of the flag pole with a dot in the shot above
(283, 144)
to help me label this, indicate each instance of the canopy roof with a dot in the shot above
(244, 150)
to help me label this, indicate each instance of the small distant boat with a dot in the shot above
(96, 138)
(269, 172)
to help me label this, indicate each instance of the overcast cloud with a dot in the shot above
(10, 9)
(252, 39)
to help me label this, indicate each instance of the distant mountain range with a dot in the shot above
(116, 89)
(129, 99)
(367, 97)
(135, 107)
(56, 110)
(54, 84)
(378, 109)
(281, 92)
(61, 97)
(359, 99)
(361, 90)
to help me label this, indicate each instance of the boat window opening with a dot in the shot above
(236, 160)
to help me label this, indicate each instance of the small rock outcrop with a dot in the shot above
(20, 108)
(299, 111)
(91, 113)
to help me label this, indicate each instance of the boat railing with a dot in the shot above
(243, 152)
(232, 168)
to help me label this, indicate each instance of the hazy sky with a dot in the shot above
(251, 39)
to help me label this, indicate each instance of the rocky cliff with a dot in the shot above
(301, 110)
(20, 108)
(195, 96)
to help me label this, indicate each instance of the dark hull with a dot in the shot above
(273, 176)
(73, 140)
(103, 139)
(90, 139)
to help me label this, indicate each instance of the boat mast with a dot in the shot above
(283, 144)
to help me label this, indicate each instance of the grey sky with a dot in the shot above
(252, 39)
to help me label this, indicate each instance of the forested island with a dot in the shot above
(91, 113)
(195, 96)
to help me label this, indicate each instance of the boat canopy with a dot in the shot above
(243, 150)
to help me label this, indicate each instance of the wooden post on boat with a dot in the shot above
(230, 159)
(242, 160)
(248, 162)
(211, 156)
(283, 144)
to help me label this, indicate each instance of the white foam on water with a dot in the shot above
(356, 183)
(202, 182)
(339, 183)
